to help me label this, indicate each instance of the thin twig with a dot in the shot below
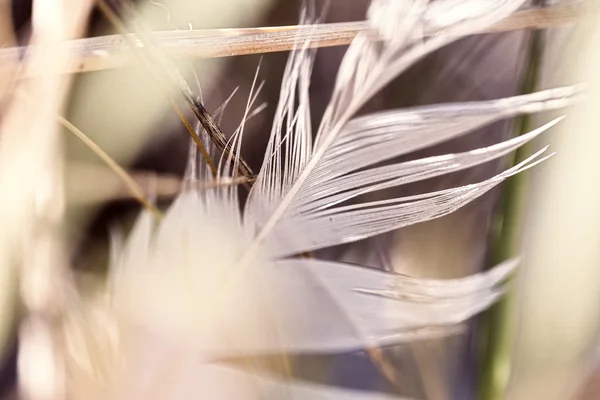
(164, 70)
(158, 76)
(32, 212)
(7, 38)
(112, 51)
(103, 189)
(135, 190)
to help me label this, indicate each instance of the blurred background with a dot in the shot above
(124, 112)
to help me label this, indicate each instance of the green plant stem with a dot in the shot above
(498, 323)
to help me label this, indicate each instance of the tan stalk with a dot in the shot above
(31, 185)
(106, 186)
(111, 51)
(135, 190)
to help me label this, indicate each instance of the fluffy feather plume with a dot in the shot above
(211, 282)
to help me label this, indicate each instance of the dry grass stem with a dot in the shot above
(132, 186)
(112, 51)
(31, 185)
(108, 186)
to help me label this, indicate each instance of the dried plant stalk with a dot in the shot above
(7, 38)
(167, 74)
(107, 186)
(135, 190)
(556, 301)
(33, 199)
(112, 51)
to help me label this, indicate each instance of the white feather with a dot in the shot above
(365, 69)
(221, 382)
(273, 307)
(218, 282)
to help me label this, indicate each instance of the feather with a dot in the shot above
(220, 381)
(216, 282)
(227, 383)
(281, 295)
(209, 241)
(276, 206)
